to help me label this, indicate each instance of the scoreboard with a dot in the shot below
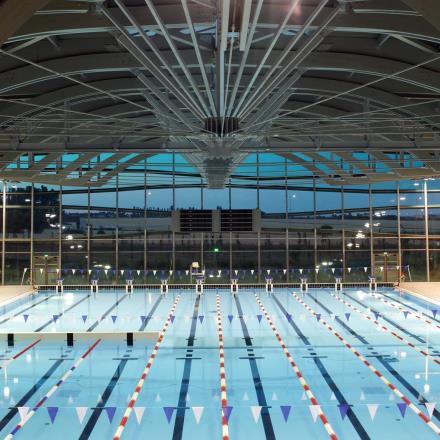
(224, 220)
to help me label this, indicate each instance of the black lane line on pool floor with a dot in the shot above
(22, 402)
(390, 321)
(259, 390)
(31, 392)
(184, 385)
(18, 302)
(325, 374)
(105, 314)
(59, 315)
(11, 414)
(97, 411)
(431, 317)
(23, 310)
(379, 358)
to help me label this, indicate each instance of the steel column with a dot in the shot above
(4, 233)
(425, 194)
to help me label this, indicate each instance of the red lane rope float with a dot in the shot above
(40, 403)
(386, 329)
(396, 306)
(396, 391)
(224, 400)
(144, 375)
(20, 353)
(298, 373)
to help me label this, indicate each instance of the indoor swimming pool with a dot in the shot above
(318, 365)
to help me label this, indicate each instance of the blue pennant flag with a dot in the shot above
(227, 412)
(110, 410)
(84, 318)
(25, 317)
(347, 316)
(318, 316)
(343, 409)
(168, 410)
(201, 319)
(114, 318)
(230, 318)
(259, 317)
(52, 411)
(402, 408)
(405, 313)
(376, 315)
(285, 410)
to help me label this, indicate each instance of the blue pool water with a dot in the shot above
(180, 398)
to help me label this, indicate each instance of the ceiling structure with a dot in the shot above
(349, 90)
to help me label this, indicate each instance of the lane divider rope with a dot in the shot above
(298, 373)
(144, 375)
(32, 412)
(224, 400)
(395, 390)
(386, 329)
(20, 353)
(393, 304)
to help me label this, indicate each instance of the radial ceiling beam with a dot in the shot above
(395, 75)
(177, 79)
(275, 67)
(273, 103)
(198, 55)
(413, 26)
(154, 49)
(76, 94)
(263, 60)
(177, 55)
(244, 57)
(23, 76)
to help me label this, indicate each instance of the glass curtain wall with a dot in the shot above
(307, 229)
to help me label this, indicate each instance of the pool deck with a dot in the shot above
(427, 291)
(10, 293)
